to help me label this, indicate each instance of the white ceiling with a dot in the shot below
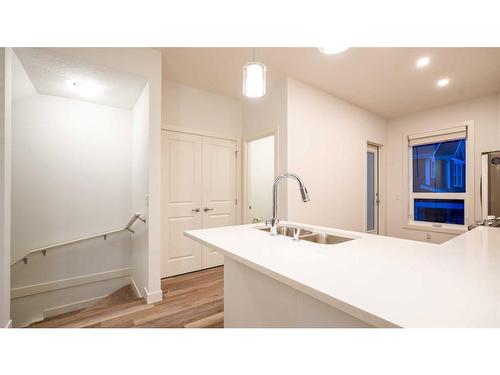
(52, 72)
(382, 80)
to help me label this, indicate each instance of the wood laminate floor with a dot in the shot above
(193, 300)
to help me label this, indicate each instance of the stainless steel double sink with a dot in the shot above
(308, 235)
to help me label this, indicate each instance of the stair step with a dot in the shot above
(122, 295)
(192, 300)
(171, 305)
(209, 321)
(122, 298)
(58, 322)
(101, 318)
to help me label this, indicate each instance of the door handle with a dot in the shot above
(195, 210)
(206, 209)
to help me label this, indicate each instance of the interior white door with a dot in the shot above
(219, 190)
(181, 201)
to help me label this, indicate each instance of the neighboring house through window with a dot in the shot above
(438, 169)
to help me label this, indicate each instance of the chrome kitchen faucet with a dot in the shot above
(273, 222)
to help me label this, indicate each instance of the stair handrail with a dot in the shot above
(44, 249)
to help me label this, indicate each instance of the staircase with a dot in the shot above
(73, 275)
(117, 304)
(193, 300)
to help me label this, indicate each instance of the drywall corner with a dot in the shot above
(140, 143)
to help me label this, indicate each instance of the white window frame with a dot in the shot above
(443, 134)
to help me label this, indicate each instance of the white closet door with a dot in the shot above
(181, 202)
(219, 190)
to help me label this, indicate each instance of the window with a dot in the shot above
(450, 211)
(438, 194)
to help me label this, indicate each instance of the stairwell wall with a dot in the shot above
(71, 178)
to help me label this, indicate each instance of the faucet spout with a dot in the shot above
(303, 192)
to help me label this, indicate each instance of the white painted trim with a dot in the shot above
(244, 182)
(62, 309)
(437, 228)
(439, 135)
(182, 129)
(245, 178)
(153, 297)
(6, 54)
(9, 324)
(382, 186)
(68, 283)
(483, 186)
(239, 172)
(135, 288)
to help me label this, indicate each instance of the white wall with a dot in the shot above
(483, 111)
(326, 145)
(71, 178)
(70, 170)
(147, 63)
(5, 158)
(262, 117)
(265, 115)
(140, 138)
(197, 111)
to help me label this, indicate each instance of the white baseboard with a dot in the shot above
(9, 324)
(58, 310)
(68, 283)
(153, 297)
(135, 287)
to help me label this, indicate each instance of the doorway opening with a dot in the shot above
(372, 189)
(260, 178)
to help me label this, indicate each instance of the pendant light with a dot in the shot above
(254, 78)
(332, 50)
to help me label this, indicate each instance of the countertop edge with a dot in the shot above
(327, 299)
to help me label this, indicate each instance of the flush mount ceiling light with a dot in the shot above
(423, 62)
(332, 50)
(254, 78)
(443, 82)
(84, 89)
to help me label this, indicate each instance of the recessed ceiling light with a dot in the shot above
(443, 82)
(86, 90)
(332, 50)
(423, 61)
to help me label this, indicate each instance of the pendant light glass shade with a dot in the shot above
(254, 79)
(332, 50)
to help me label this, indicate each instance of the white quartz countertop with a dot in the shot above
(382, 280)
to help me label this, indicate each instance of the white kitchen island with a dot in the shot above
(371, 281)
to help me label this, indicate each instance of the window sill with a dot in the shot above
(430, 227)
